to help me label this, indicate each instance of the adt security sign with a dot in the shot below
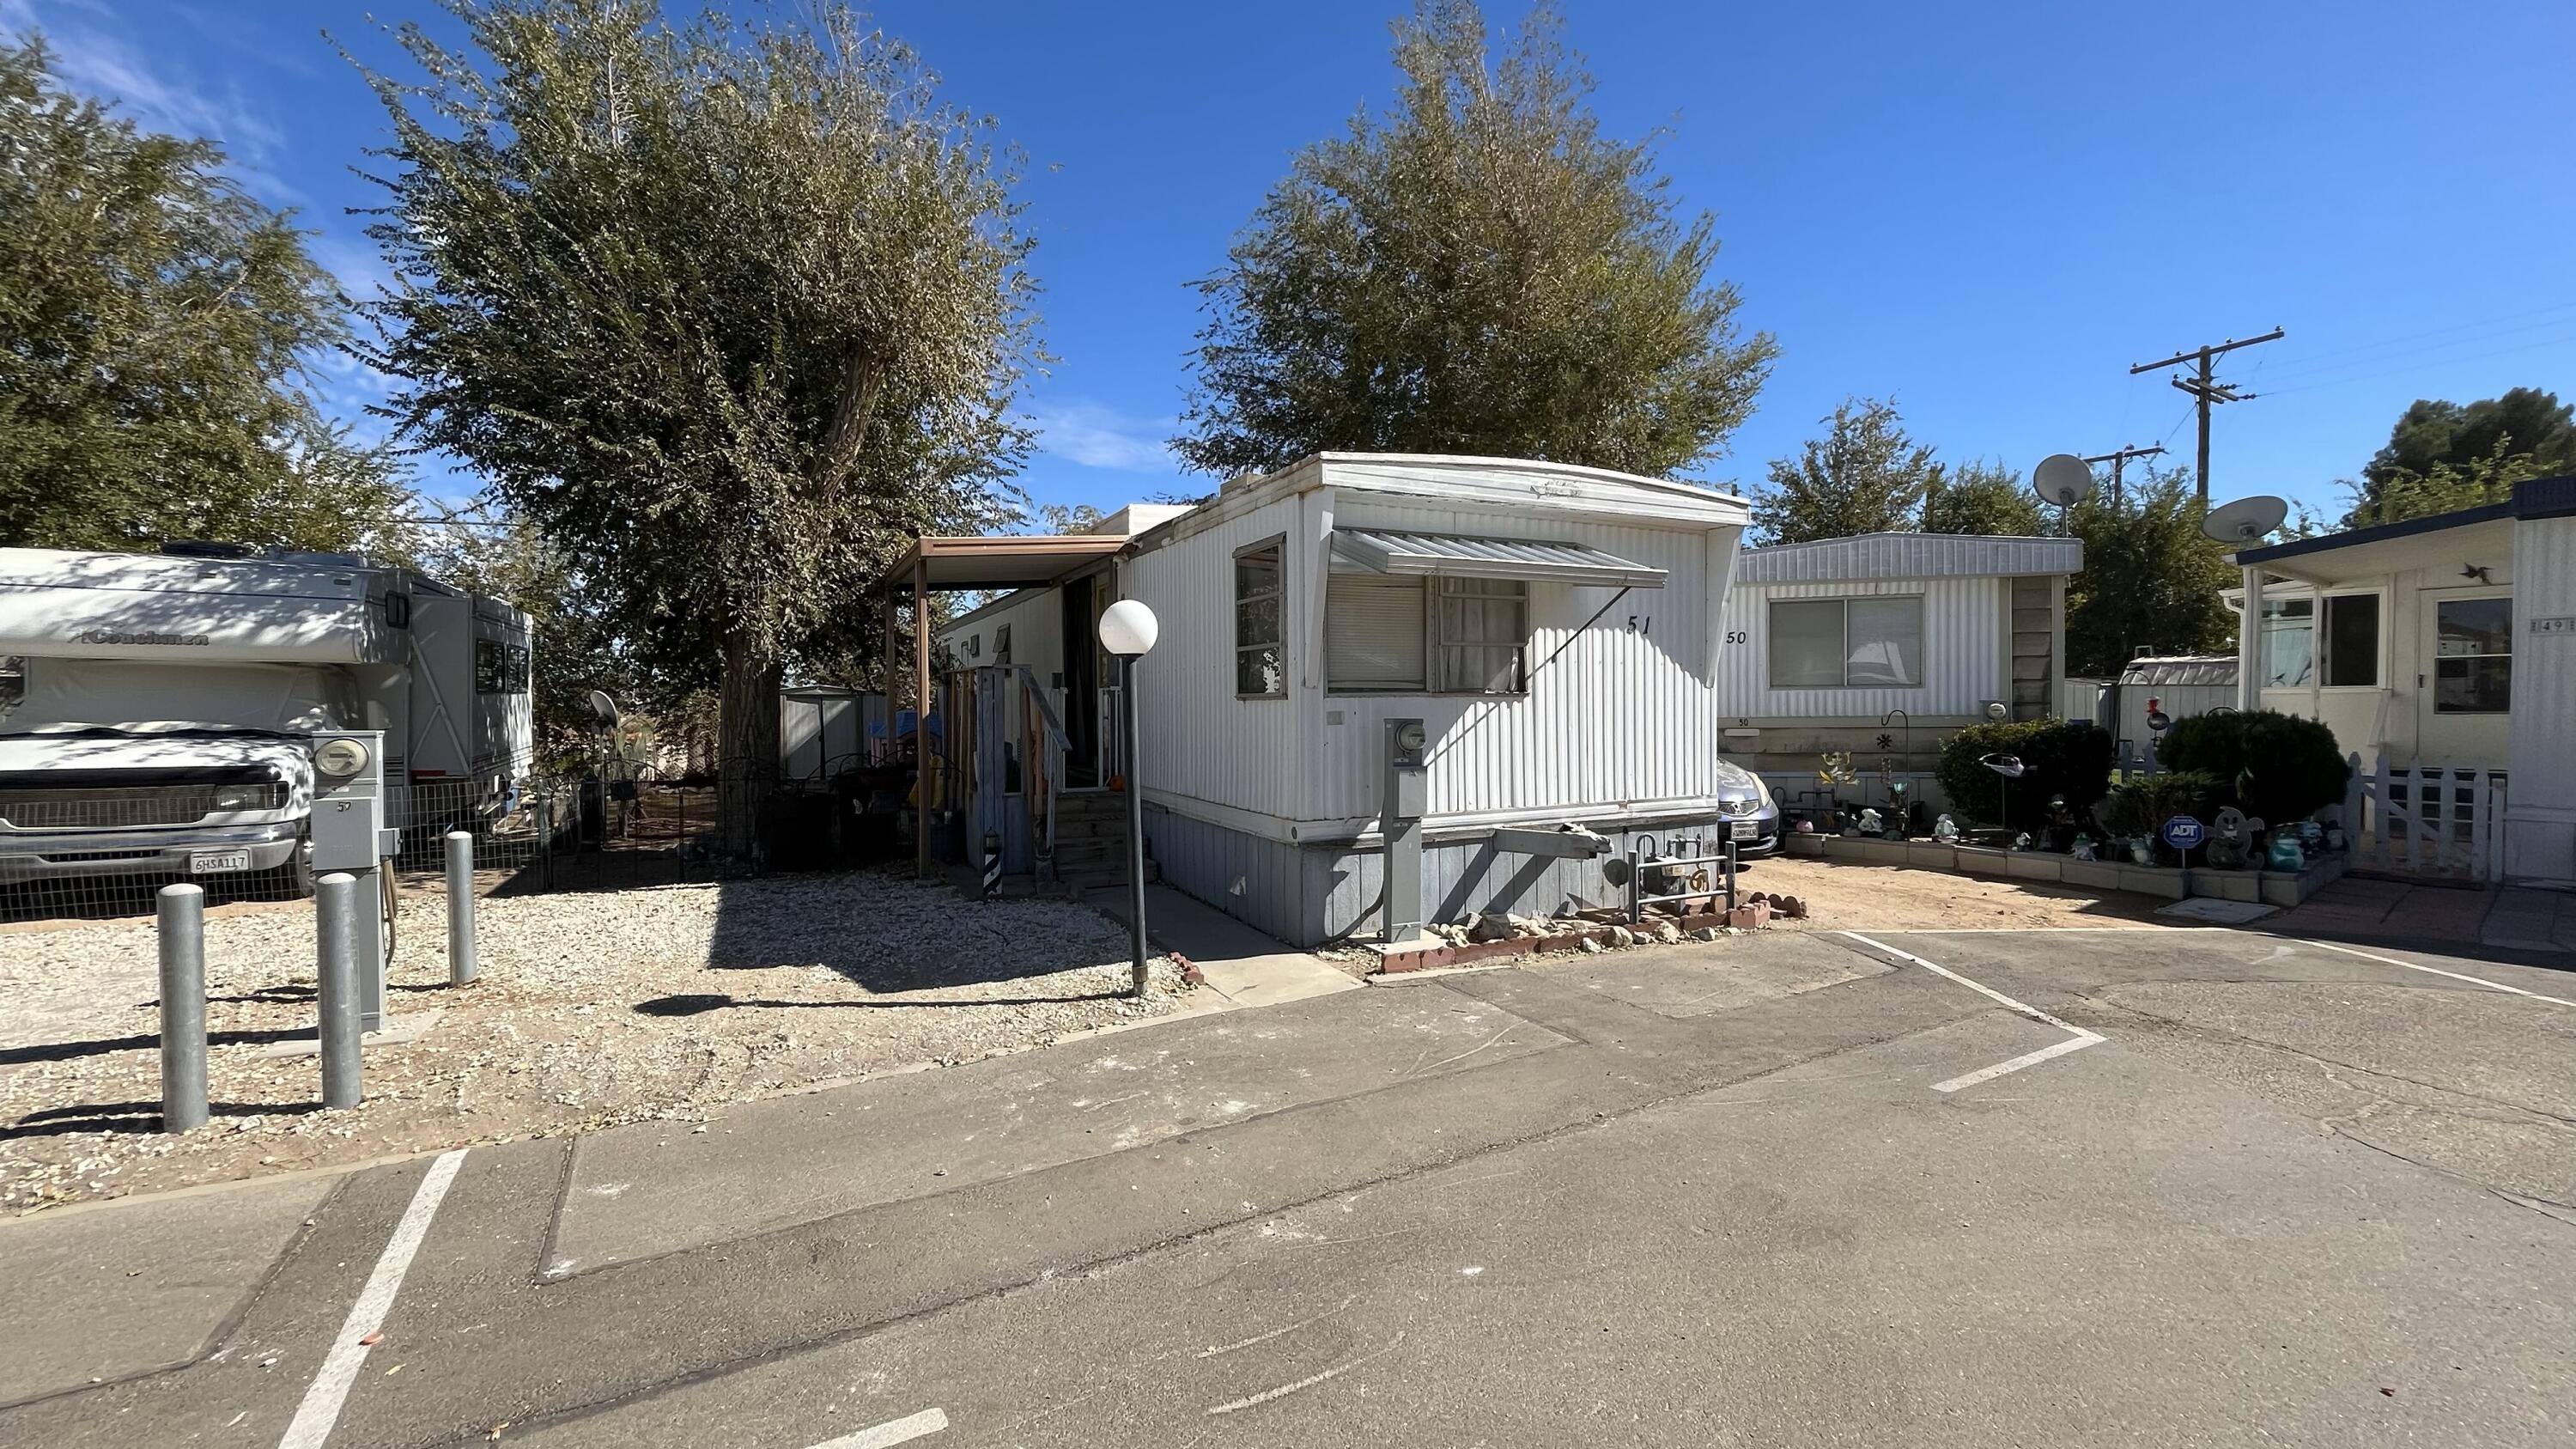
(2184, 833)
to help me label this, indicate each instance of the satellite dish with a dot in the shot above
(603, 709)
(2246, 519)
(2062, 479)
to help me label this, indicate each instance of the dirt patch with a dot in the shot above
(1850, 896)
(591, 1009)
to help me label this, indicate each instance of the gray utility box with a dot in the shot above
(350, 835)
(1405, 800)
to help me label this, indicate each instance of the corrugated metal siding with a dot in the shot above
(1621, 715)
(1256, 881)
(1200, 740)
(1879, 556)
(1460, 878)
(1964, 634)
(2542, 730)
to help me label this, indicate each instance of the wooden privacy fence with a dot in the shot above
(2434, 820)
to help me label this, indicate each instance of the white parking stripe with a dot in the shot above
(2436, 971)
(2079, 1038)
(2026, 1059)
(2025, 1008)
(899, 1431)
(321, 1407)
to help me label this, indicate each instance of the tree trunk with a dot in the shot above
(746, 744)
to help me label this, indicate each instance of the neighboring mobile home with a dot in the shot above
(1832, 645)
(2445, 643)
(1555, 628)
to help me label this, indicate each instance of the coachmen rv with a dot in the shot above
(153, 706)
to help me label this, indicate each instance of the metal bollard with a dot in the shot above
(337, 906)
(182, 929)
(545, 841)
(460, 908)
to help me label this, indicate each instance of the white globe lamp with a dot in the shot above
(1128, 628)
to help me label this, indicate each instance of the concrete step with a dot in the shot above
(1095, 878)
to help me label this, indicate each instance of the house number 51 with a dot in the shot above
(1641, 623)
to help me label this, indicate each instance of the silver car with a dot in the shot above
(1752, 817)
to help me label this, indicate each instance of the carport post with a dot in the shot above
(182, 931)
(922, 760)
(460, 908)
(337, 904)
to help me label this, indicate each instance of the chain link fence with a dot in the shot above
(87, 851)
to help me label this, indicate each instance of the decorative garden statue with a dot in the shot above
(1869, 823)
(2286, 854)
(2083, 846)
(2142, 851)
(1945, 829)
(2021, 841)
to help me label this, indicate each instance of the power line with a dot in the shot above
(2119, 459)
(2423, 364)
(2207, 392)
(2522, 317)
(2458, 348)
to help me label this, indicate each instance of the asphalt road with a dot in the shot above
(2063, 1188)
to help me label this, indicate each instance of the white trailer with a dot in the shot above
(153, 706)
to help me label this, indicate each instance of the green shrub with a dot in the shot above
(2146, 803)
(2061, 758)
(2280, 767)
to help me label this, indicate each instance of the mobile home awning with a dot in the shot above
(1464, 556)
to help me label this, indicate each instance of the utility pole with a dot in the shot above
(2206, 391)
(2116, 460)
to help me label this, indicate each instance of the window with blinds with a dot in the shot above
(1374, 639)
(1415, 636)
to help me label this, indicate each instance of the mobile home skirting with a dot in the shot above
(1323, 894)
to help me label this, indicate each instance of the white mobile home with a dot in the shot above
(2441, 644)
(1830, 645)
(1555, 628)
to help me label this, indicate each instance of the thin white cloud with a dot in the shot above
(90, 57)
(1103, 437)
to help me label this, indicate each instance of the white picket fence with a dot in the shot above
(2432, 820)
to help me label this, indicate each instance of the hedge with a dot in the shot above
(2059, 758)
(2280, 767)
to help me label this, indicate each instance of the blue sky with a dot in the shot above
(1987, 212)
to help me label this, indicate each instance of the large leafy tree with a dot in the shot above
(2445, 455)
(1863, 476)
(2149, 577)
(156, 326)
(1478, 270)
(727, 311)
(1984, 498)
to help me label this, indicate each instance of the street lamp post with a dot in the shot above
(1128, 630)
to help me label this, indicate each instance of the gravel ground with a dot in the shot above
(591, 1009)
(1850, 896)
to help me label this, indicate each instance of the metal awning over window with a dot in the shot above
(1463, 556)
